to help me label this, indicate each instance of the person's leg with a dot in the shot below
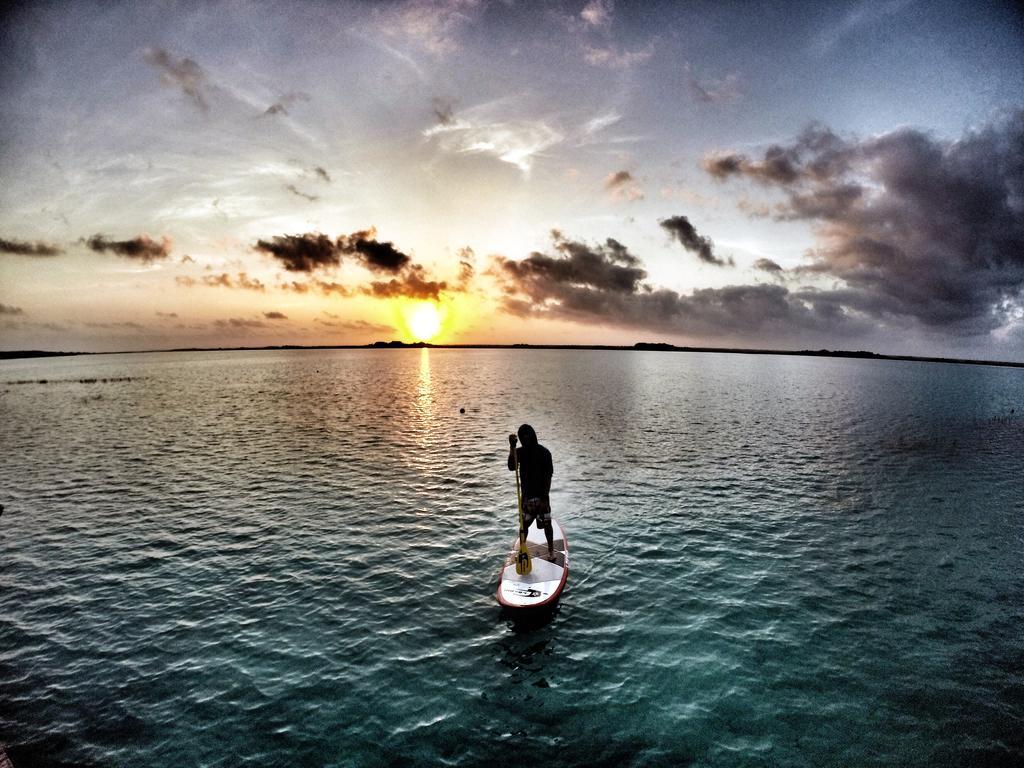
(528, 519)
(549, 531)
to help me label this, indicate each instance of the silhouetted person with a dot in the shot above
(535, 471)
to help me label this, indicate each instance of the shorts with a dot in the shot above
(536, 509)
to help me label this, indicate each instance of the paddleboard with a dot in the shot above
(546, 579)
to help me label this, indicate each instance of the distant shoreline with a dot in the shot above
(638, 347)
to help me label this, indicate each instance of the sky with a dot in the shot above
(844, 175)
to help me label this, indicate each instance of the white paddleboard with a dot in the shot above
(546, 579)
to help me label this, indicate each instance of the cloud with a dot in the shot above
(467, 268)
(860, 16)
(373, 254)
(623, 186)
(292, 188)
(604, 284)
(918, 228)
(714, 91)
(239, 322)
(328, 287)
(767, 265)
(355, 325)
(433, 25)
(514, 141)
(275, 316)
(166, 314)
(607, 267)
(411, 284)
(599, 123)
(778, 166)
(680, 228)
(26, 248)
(302, 253)
(444, 111)
(224, 280)
(184, 74)
(321, 173)
(7, 309)
(597, 13)
(613, 57)
(313, 251)
(141, 248)
(280, 107)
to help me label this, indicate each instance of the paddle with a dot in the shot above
(523, 564)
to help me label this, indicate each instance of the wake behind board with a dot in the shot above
(546, 579)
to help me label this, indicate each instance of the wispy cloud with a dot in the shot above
(477, 131)
(613, 57)
(280, 107)
(862, 15)
(184, 74)
(597, 13)
(434, 26)
(714, 90)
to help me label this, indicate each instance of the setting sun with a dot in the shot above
(424, 321)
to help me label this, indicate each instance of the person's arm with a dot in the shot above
(512, 453)
(547, 475)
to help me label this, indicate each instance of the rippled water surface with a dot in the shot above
(289, 558)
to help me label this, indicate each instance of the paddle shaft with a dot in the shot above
(523, 564)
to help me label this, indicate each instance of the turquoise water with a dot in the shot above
(289, 558)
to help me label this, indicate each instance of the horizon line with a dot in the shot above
(640, 346)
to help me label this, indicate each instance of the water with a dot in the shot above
(289, 558)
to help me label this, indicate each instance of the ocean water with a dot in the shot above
(289, 558)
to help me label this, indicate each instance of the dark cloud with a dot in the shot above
(142, 248)
(583, 283)
(321, 173)
(680, 228)
(295, 191)
(918, 228)
(26, 248)
(275, 316)
(6, 309)
(606, 268)
(181, 73)
(302, 253)
(767, 265)
(310, 252)
(375, 255)
(413, 284)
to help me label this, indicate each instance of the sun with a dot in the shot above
(424, 320)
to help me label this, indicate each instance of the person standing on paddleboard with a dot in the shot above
(535, 471)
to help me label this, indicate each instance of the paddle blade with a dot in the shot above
(523, 564)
